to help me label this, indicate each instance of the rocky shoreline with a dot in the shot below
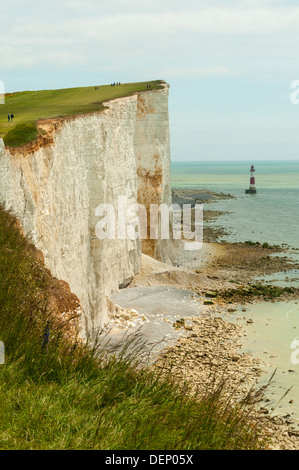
(232, 272)
(208, 357)
(222, 277)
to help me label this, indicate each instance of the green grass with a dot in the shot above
(29, 106)
(60, 395)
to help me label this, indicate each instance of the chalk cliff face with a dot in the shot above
(90, 160)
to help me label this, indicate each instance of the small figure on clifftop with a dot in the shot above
(11, 117)
(8, 118)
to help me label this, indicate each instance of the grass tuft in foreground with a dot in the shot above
(57, 394)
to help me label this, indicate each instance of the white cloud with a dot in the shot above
(214, 42)
(191, 41)
(216, 20)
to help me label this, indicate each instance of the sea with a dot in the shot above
(271, 215)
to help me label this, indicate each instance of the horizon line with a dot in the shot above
(232, 161)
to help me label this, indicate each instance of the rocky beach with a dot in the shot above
(197, 342)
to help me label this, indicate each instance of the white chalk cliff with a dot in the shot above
(89, 160)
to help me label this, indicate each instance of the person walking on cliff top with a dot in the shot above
(11, 117)
(8, 118)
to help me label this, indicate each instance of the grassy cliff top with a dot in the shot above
(30, 106)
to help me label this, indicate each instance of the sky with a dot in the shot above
(230, 64)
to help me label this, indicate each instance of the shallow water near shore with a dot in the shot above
(273, 337)
(269, 216)
(281, 279)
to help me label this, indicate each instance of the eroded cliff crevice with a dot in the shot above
(90, 160)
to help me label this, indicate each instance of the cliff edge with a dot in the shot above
(87, 161)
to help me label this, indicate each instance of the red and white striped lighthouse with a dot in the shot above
(252, 188)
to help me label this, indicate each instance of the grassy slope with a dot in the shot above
(58, 395)
(29, 106)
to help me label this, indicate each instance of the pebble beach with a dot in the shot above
(199, 341)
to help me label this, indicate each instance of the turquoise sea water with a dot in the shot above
(271, 215)
(274, 337)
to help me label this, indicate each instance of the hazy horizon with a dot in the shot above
(191, 162)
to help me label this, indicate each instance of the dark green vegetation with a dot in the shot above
(29, 106)
(264, 245)
(256, 290)
(59, 394)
